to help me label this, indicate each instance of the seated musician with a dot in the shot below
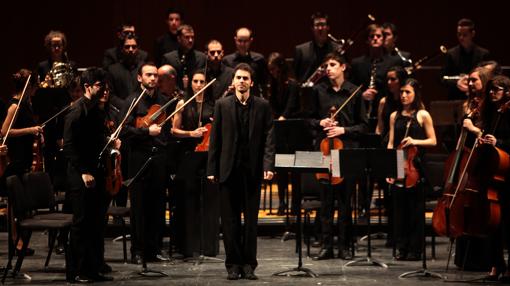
(350, 121)
(410, 126)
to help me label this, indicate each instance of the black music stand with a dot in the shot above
(192, 166)
(301, 162)
(291, 136)
(145, 270)
(369, 163)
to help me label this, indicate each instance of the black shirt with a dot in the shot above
(164, 44)
(20, 147)
(243, 129)
(256, 62)
(352, 117)
(85, 136)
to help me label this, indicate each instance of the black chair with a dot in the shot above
(121, 213)
(25, 201)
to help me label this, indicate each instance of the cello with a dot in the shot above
(328, 144)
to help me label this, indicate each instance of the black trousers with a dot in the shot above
(89, 207)
(240, 194)
(408, 211)
(148, 205)
(328, 194)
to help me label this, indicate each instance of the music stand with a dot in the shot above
(301, 162)
(290, 136)
(192, 166)
(128, 183)
(368, 163)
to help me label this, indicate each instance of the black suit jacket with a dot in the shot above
(307, 58)
(458, 61)
(184, 64)
(224, 137)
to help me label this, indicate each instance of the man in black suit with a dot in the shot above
(241, 152)
(461, 59)
(218, 70)
(84, 137)
(114, 55)
(370, 71)
(390, 33)
(185, 59)
(244, 54)
(310, 55)
(168, 41)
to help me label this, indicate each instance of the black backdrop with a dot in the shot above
(278, 26)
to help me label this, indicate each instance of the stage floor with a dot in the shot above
(273, 254)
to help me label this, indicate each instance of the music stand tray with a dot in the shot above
(368, 163)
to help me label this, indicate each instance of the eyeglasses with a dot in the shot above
(212, 53)
(495, 89)
(127, 47)
(198, 81)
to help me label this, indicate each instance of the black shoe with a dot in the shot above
(101, 278)
(414, 256)
(28, 252)
(248, 273)
(82, 279)
(136, 259)
(324, 254)
(158, 258)
(59, 249)
(105, 268)
(344, 254)
(401, 256)
(233, 273)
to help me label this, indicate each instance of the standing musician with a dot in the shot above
(24, 130)
(185, 59)
(350, 122)
(282, 93)
(217, 69)
(188, 124)
(395, 77)
(495, 120)
(84, 137)
(147, 195)
(410, 127)
(241, 153)
(370, 70)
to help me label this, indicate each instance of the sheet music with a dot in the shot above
(335, 163)
(310, 159)
(284, 160)
(400, 164)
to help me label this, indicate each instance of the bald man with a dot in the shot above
(243, 40)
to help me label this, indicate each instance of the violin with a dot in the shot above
(328, 144)
(112, 165)
(37, 155)
(411, 174)
(204, 145)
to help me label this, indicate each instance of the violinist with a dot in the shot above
(188, 124)
(23, 132)
(495, 120)
(350, 122)
(147, 194)
(84, 136)
(410, 126)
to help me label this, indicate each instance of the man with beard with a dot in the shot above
(218, 70)
(84, 137)
(124, 73)
(114, 55)
(186, 59)
(241, 153)
(147, 192)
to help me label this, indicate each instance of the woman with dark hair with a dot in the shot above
(282, 94)
(495, 121)
(188, 124)
(410, 126)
